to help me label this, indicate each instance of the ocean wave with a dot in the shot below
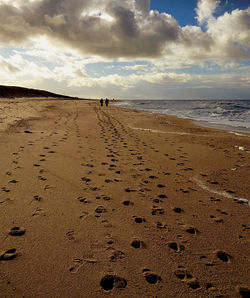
(229, 112)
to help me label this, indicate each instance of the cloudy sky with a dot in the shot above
(127, 48)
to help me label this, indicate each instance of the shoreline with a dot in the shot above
(229, 128)
(109, 202)
(205, 123)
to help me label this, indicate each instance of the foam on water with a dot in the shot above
(232, 114)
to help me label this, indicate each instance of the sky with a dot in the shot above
(127, 49)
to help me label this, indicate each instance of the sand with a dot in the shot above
(110, 202)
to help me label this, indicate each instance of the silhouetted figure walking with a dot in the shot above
(101, 102)
(106, 102)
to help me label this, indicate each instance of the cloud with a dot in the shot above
(56, 21)
(55, 40)
(97, 27)
(7, 67)
(205, 10)
(232, 28)
(129, 81)
(126, 29)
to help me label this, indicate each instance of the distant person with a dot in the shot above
(101, 102)
(106, 102)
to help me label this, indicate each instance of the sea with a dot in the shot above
(224, 114)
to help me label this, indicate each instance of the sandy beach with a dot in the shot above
(111, 202)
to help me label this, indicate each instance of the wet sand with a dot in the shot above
(113, 202)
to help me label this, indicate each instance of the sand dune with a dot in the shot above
(91, 207)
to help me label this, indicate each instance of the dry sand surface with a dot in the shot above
(119, 203)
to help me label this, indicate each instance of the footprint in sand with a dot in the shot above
(106, 223)
(13, 181)
(161, 185)
(139, 219)
(38, 198)
(192, 231)
(94, 188)
(130, 190)
(160, 225)
(42, 178)
(183, 190)
(212, 199)
(110, 281)
(77, 265)
(216, 219)
(187, 169)
(110, 242)
(86, 179)
(5, 200)
(185, 276)
(127, 203)
(245, 227)
(244, 292)
(103, 197)
(176, 247)
(9, 254)
(38, 212)
(151, 277)
(5, 189)
(223, 256)
(70, 235)
(145, 189)
(178, 210)
(83, 200)
(108, 180)
(162, 196)
(222, 212)
(157, 211)
(100, 209)
(83, 215)
(89, 165)
(46, 187)
(136, 243)
(117, 255)
(17, 231)
(90, 260)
